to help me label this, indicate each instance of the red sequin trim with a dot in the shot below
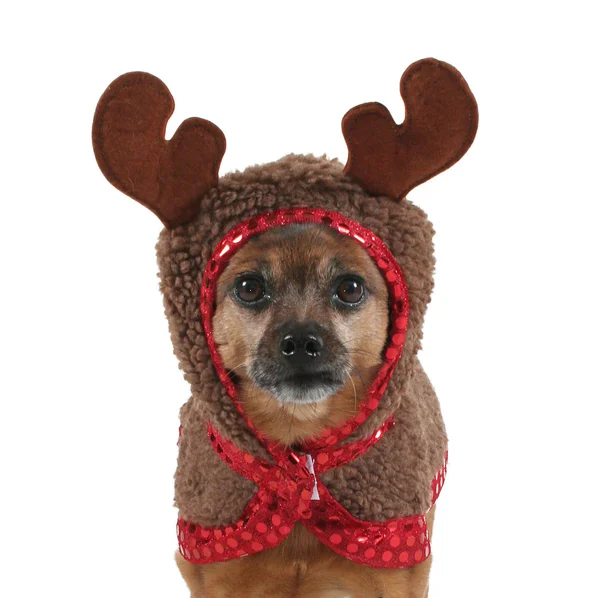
(286, 495)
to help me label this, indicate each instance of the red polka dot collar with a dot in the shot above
(289, 487)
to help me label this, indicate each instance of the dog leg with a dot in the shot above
(192, 574)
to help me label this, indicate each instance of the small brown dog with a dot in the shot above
(312, 449)
(301, 322)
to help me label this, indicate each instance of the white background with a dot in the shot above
(90, 390)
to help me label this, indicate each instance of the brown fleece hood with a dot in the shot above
(178, 180)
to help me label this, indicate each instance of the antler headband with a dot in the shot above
(170, 177)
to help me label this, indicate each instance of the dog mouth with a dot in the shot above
(311, 380)
(312, 387)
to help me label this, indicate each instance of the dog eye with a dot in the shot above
(249, 289)
(350, 291)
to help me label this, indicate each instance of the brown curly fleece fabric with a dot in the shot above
(392, 479)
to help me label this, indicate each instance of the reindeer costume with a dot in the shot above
(364, 488)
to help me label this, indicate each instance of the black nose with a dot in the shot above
(301, 344)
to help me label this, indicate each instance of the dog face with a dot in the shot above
(301, 321)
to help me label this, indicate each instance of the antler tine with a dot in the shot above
(439, 127)
(128, 135)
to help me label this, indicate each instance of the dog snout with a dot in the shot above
(300, 361)
(302, 344)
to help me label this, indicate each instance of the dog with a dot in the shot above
(312, 449)
(301, 322)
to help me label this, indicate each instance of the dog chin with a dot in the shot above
(288, 392)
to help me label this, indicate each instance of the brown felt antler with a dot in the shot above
(168, 177)
(439, 127)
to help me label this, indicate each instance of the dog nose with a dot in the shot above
(301, 343)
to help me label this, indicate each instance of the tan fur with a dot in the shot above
(302, 567)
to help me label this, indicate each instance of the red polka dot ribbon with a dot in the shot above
(289, 488)
(290, 491)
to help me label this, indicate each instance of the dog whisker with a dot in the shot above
(232, 370)
(292, 419)
(355, 369)
(354, 387)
